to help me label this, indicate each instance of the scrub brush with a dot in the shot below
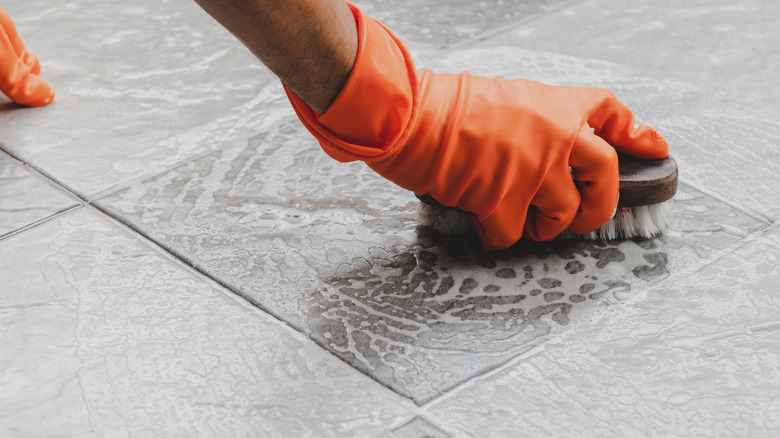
(645, 186)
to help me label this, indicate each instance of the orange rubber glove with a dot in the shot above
(502, 150)
(19, 68)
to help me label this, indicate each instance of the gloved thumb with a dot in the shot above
(614, 122)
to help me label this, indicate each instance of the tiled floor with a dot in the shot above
(179, 258)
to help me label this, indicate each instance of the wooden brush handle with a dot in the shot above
(642, 182)
(646, 182)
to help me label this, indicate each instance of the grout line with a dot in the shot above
(499, 30)
(51, 217)
(48, 178)
(404, 420)
(749, 211)
(80, 201)
(741, 208)
(172, 253)
(129, 182)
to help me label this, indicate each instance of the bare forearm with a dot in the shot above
(309, 44)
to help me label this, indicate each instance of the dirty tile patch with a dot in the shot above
(336, 251)
(442, 311)
(696, 356)
(27, 198)
(104, 335)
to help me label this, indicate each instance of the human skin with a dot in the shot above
(309, 44)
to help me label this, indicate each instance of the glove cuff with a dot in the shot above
(375, 110)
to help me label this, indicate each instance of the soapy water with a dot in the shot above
(401, 317)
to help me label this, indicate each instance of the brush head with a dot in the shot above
(645, 186)
(646, 182)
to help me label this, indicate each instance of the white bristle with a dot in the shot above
(625, 224)
(658, 215)
(644, 221)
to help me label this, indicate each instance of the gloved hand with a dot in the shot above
(502, 150)
(19, 68)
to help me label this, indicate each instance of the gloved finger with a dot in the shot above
(594, 165)
(502, 229)
(29, 90)
(32, 61)
(7, 25)
(17, 82)
(614, 122)
(509, 221)
(553, 207)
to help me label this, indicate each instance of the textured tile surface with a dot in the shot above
(340, 249)
(431, 26)
(27, 198)
(694, 357)
(141, 86)
(419, 427)
(104, 336)
(704, 72)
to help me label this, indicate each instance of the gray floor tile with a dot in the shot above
(703, 72)
(432, 26)
(27, 198)
(336, 251)
(696, 357)
(139, 88)
(104, 336)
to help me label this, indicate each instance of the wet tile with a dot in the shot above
(26, 198)
(419, 428)
(696, 356)
(337, 252)
(432, 26)
(142, 86)
(703, 72)
(105, 336)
